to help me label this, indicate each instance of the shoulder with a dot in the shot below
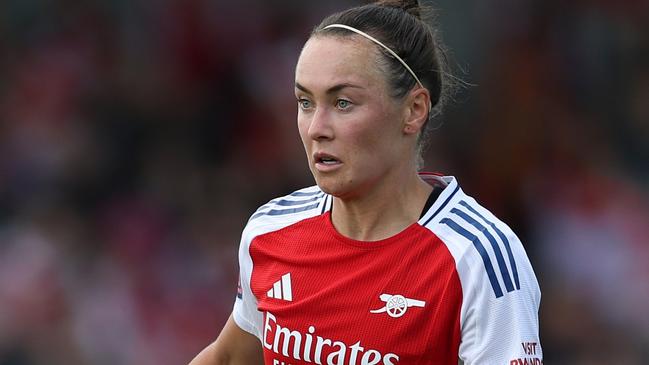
(500, 293)
(485, 248)
(287, 210)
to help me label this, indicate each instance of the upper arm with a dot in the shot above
(500, 328)
(234, 346)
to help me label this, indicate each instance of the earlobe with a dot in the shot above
(417, 114)
(412, 127)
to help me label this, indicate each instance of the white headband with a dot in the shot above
(380, 44)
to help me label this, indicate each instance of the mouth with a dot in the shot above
(326, 162)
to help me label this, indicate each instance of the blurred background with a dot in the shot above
(136, 138)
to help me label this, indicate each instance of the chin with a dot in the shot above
(329, 184)
(326, 184)
(336, 186)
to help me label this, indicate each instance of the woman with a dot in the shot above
(377, 264)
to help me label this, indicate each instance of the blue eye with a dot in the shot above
(343, 104)
(304, 103)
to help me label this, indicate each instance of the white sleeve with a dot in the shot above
(245, 311)
(499, 325)
(274, 215)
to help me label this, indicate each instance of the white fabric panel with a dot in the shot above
(245, 311)
(495, 330)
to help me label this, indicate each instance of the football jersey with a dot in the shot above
(456, 284)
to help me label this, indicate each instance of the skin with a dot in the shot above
(345, 111)
(233, 346)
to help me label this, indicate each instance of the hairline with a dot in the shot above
(381, 59)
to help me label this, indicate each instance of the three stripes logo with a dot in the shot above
(282, 289)
(482, 225)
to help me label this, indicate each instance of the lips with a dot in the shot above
(325, 158)
(326, 162)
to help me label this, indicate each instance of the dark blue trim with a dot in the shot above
(443, 205)
(324, 204)
(285, 211)
(499, 255)
(289, 203)
(483, 253)
(301, 193)
(512, 262)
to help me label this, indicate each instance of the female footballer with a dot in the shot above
(378, 263)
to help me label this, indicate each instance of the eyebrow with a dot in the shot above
(330, 90)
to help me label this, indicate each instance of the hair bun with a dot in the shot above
(409, 6)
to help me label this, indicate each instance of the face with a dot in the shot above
(352, 130)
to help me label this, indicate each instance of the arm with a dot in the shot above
(234, 346)
(501, 329)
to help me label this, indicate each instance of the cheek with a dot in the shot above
(366, 143)
(376, 132)
(375, 142)
(303, 128)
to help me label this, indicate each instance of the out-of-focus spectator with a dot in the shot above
(136, 138)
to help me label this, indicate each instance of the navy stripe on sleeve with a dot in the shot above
(302, 193)
(275, 212)
(500, 234)
(494, 245)
(483, 253)
(288, 203)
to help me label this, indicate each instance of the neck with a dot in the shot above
(382, 211)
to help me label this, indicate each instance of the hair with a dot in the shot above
(407, 28)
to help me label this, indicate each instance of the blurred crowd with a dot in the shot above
(136, 138)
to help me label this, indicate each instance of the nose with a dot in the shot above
(321, 127)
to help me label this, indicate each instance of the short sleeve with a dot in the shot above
(500, 325)
(245, 312)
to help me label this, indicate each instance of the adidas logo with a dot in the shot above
(282, 289)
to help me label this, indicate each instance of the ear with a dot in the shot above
(416, 110)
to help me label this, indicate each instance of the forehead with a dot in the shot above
(330, 60)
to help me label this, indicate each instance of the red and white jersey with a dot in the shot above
(457, 284)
